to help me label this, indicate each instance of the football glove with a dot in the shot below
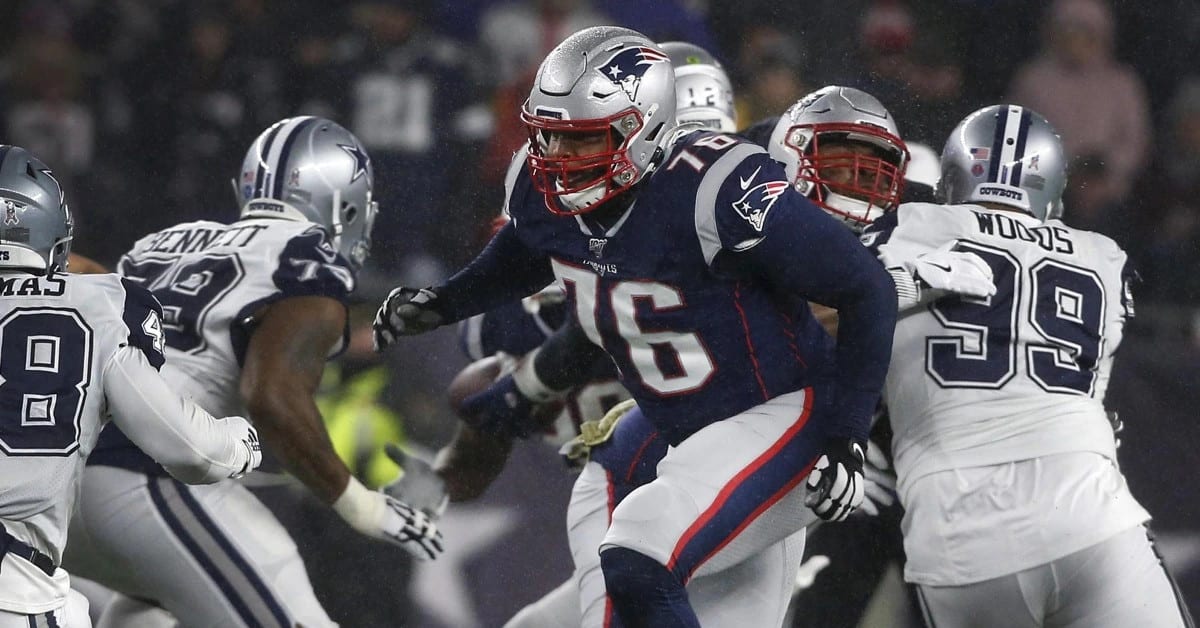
(248, 436)
(405, 312)
(836, 483)
(959, 272)
(418, 485)
(381, 516)
(879, 492)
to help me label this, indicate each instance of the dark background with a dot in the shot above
(144, 109)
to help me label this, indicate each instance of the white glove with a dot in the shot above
(879, 490)
(405, 312)
(248, 436)
(386, 518)
(959, 272)
(418, 485)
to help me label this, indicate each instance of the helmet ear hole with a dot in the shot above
(349, 213)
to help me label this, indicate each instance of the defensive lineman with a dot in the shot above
(254, 308)
(1016, 513)
(76, 350)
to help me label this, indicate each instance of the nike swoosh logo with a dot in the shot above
(746, 182)
(940, 267)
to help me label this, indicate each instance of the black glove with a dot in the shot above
(501, 409)
(405, 312)
(836, 484)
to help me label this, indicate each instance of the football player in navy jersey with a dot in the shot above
(253, 310)
(686, 256)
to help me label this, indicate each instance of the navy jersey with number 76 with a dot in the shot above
(695, 291)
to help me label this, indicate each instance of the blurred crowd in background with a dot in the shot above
(144, 109)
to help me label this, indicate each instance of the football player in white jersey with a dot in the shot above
(1016, 513)
(252, 311)
(76, 350)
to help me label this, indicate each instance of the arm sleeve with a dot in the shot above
(193, 446)
(506, 270)
(569, 359)
(803, 252)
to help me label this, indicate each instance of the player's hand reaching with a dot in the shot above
(418, 485)
(248, 437)
(959, 272)
(879, 490)
(405, 312)
(836, 484)
(386, 518)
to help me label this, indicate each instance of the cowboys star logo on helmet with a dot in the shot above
(757, 201)
(627, 67)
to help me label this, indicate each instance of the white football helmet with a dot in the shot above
(703, 92)
(603, 81)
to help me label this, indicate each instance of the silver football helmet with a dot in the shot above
(854, 187)
(1008, 155)
(606, 86)
(35, 223)
(312, 169)
(703, 92)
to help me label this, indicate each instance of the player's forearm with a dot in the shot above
(866, 324)
(506, 270)
(291, 428)
(470, 463)
(187, 441)
(568, 359)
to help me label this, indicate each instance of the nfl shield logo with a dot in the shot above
(10, 213)
(596, 246)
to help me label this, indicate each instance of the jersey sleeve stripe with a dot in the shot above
(706, 197)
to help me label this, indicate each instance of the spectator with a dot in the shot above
(1097, 104)
(408, 87)
(1167, 248)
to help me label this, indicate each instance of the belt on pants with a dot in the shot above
(10, 544)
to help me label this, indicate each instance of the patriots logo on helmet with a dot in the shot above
(10, 213)
(627, 67)
(757, 201)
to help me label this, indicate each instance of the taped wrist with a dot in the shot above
(360, 507)
(908, 291)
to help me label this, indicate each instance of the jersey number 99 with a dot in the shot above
(1065, 311)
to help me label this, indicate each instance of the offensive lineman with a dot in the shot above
(76, 350)
(698, 326)
(254, 308)
(1016, 513)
